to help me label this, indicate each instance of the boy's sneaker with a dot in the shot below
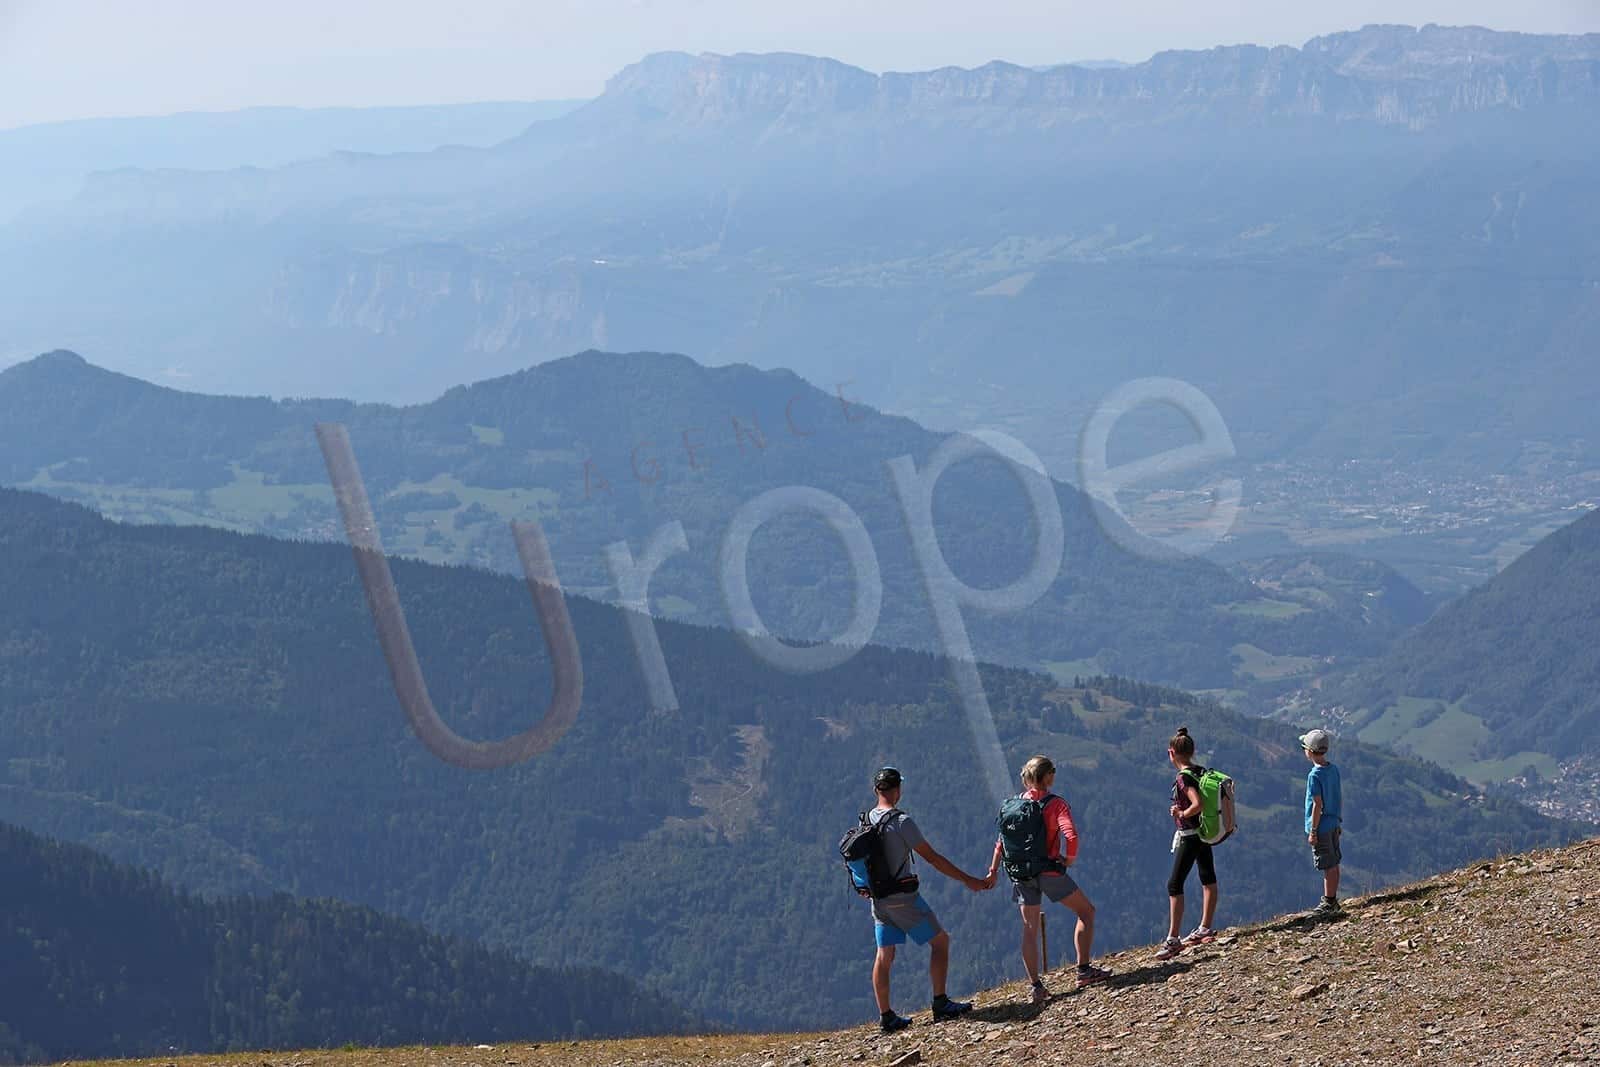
(945, 1008)
(1202, 935)
(891, 1023)
(1327, 906)
(1092, 976)
(1040, 993)
(1169, 948)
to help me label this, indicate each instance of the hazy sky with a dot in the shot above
(80, 58)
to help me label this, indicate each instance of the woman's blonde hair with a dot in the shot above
(1037, 768)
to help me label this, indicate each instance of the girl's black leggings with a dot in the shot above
(1191, 850)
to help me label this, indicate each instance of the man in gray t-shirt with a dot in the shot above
(902, 915)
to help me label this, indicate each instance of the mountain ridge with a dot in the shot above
(1393, 75)
(608, 447)
(48, 162)
(1390, 76)
(1488, 964)
(1504, 677)
(104, 959)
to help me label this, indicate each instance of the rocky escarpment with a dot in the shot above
(1387, 74)
(1393, 76)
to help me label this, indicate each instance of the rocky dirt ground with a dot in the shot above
(1497, 963)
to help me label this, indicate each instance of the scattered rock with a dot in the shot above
(906, 1060)
(1306, 992)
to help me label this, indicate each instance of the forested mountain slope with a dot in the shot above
(606, 448)
(1506, 677)
(215, 707)
(104, 960)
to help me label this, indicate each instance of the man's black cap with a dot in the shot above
(886, 778)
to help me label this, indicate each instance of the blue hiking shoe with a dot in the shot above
(891, 1023)
(945, 1008)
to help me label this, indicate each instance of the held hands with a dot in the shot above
(989, 880)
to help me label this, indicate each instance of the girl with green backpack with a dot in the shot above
(1189, 847)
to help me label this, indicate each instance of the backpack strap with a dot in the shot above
(1057, 865)
(888, 816)
(1192, 774)
(885, 817)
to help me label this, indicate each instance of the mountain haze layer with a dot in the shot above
(49, 162)
(1381, 243)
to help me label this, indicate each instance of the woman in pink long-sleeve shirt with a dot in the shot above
(1053, 883)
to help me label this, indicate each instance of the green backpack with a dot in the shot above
(1217, 817)
(1024, 847)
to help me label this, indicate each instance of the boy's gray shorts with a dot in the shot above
(1325, 853)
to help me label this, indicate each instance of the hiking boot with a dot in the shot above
(891, 1023)
(1040, 993)
(1327, 906)
(1202, 935)
(1169, 948)
(945, 1008)
(1091, 975)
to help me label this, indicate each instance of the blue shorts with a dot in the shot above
(901, 916)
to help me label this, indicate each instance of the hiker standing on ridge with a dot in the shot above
(887, 875)
(1189, 848)
(1038, 842)
(1324, 816)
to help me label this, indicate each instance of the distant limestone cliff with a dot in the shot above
(1394, 75)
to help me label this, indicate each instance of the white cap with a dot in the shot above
(1316, 741)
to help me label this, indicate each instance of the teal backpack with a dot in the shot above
(1024, 848)
(1217, 817)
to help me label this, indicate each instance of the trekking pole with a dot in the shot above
(1044, 942)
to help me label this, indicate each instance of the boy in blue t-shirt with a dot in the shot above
(1324, 813)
